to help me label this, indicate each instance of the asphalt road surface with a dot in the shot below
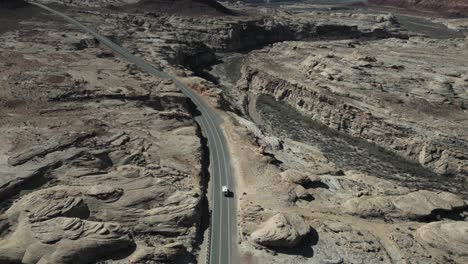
(223, 217)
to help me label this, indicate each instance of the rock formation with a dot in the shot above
(184, 7)
(353, 217)
(282, 231)
(180, 7)
(99, 161)
(398, 102)
(193, 41)
(103, 163)
(447, 236)
(456, 8)
(415, 205)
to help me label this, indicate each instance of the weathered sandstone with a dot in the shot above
(98, 161)
(385, 92)
(281, 231)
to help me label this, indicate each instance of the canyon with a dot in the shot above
(372, 91)
(346, 131)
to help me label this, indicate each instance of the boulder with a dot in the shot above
(282, 231)
(447, 236)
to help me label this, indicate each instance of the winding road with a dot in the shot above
(223, 216)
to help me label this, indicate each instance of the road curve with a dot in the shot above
(223, 216)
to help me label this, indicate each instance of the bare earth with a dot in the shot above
(347, 135)
(97, 162)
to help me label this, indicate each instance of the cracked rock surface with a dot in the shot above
(281, 231)
(95, 163)
(399, 94)
(352, 149)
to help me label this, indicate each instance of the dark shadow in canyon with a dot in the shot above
(350, 153)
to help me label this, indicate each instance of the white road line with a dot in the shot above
(221, 204)
(208, 122)
(227, 170)
(220, 187)
(213, 197)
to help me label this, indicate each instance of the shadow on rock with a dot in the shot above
(305, 249)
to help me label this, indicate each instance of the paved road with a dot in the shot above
(223, 212)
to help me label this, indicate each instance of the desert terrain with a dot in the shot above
(345, 126)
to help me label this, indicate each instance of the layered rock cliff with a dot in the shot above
(379, 91)
(297, 205)
(192, 42)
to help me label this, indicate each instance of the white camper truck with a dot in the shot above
(225, 190)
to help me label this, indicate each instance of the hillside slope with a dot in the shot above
(181, 7)
(456, 8)
(11, 3)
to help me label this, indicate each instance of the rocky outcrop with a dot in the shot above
(446, 236)
(354, 88)
(65, 240)
(454, 8)
(193, 41)
(299, 177)
(282, 231)
(249, 33)
(183, 7)
(99, 161)
(415, 206)
(304, 181)
(179, 7)
(338, 235)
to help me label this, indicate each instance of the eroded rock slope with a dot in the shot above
(458, 8)
(298, 206)
(98, 160)
(406, 95)
(101, 163)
